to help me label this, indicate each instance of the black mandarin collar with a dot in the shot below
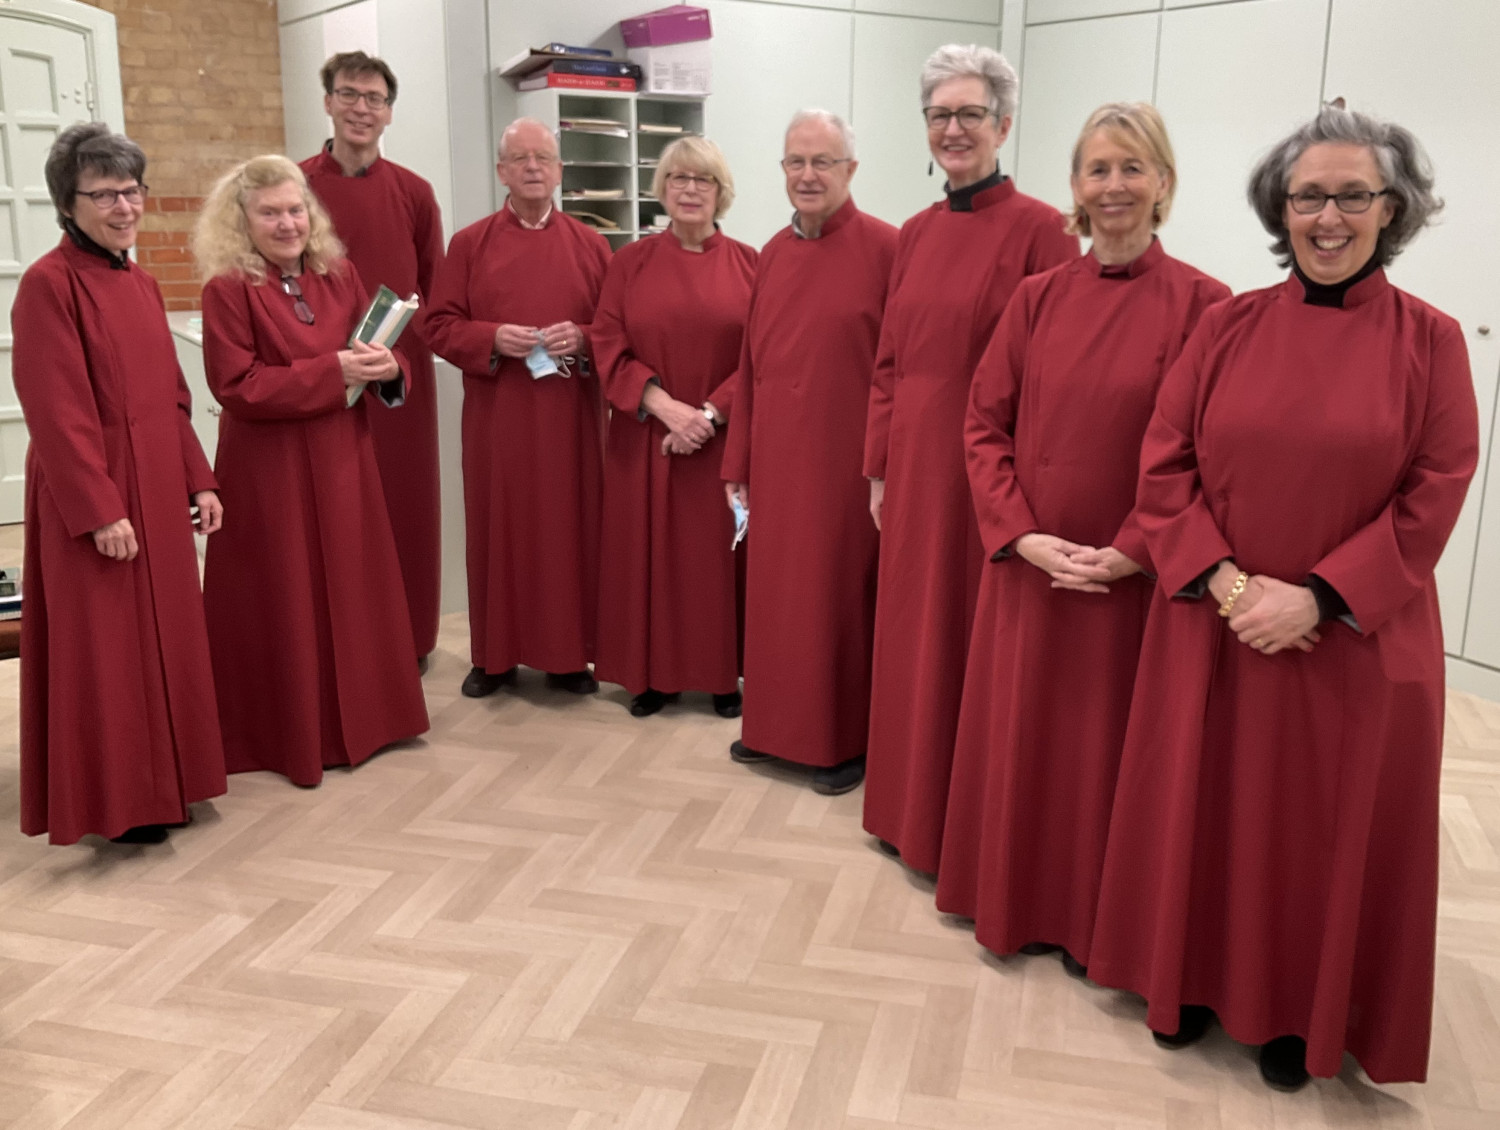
(1335, 295)
(120, 262)
(963, 199)
(1131, 270)
(331, 163)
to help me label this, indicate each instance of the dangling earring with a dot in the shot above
(929, 168)
(1156, 214)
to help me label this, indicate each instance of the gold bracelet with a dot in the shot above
(1234, 594)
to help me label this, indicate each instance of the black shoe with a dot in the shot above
(739, 751)
(1074, 967)
(479, 683)
(1037, 949)
(142, 834)
(889, 848)
(574, 682)
(840, 778)
(1192, 1025)
(422, 664)
(1283, 1063)
(727, 705)
(648, 702)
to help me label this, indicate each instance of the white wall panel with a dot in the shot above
(1050, 11)
(301, 92)
(1232, 80)
(1071, 69)
(1437, 78)
(412, 41)
(893, 182)
(961, 11)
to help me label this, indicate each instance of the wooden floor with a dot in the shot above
(551, 915)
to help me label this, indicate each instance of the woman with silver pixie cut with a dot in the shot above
(957, 264)
(1273, 851)
(119, 731)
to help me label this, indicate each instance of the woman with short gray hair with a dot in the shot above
(119, 728)
(1273, 850)
(957, 264)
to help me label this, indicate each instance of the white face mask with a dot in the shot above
(541, 364)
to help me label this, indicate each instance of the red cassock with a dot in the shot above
(532, 453)
(797, 438)
(388, 220)
(1273, 852)
(668, 599)
(312, 647)
(1056, 415)
(954, 273)
(118, 723)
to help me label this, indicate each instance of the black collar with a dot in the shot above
(1332, 294)
(120, 262)
(328, 148)
(962, 199)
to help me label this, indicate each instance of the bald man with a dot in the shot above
(511, 308)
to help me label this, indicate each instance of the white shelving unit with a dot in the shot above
(610, 143)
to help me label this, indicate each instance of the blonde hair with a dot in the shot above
(696, 155)
(221, 241)
(1138, 127)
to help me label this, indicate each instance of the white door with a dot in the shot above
(49, 79)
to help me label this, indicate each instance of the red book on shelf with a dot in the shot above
(576, 82)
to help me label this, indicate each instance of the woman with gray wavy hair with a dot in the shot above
(1273, 851)
(957, 264)
(119, 731)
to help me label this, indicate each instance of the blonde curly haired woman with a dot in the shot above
(307, 619)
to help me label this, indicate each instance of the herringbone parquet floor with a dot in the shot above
(551, 916)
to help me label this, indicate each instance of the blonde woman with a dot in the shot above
(307, 619)
(667, 342)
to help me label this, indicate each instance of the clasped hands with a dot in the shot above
(1270, 615)
(559, 339)
(1079, 568)
(363, 364)
(688, 428)
(117, 540)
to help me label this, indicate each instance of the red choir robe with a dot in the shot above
(1273, 852)
(1057, 411)
(797, 438)
(118, 722)
(669, 598)
(388, 220)
(307, 615)
(532, 449)
(954, 273)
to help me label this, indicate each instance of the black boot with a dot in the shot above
(574, 682)
(142, 834)
(1192, 1025)
(648, 702)
(727, 705)
(1283, 1063)
(479, 683)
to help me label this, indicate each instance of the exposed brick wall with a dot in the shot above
(202, 83)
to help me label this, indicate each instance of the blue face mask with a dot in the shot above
(540, 362)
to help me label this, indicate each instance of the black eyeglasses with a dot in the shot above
(348, 96)
(104, 198)
(1309, 202)
(304, 313)
(821, 163)
(969, 117)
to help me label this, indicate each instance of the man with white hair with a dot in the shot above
(797, 436)
(511, 308)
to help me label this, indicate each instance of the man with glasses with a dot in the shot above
(798, 434)
(388, 219)
(511, 308)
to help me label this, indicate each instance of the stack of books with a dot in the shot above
(573, 68)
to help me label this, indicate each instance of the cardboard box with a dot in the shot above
(676, 68)
(681, 23)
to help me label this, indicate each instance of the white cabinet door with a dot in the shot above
(1072, 69)
(1436, 76)
(893, 182)
(45, 85)
(1233, 80)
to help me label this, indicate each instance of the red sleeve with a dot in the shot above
(883, 379)
(242, 382)
(1130, 539)
(622, 377)
(1180, 531)
(467, 344)
(1387, 562)
(989, 428)
(199, 474)
(50, 372)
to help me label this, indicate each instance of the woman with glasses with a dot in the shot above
(667, 339)
(119, 731)
(1273, 853)
(307, 615)
(957, 264)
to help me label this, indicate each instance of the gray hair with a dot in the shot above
(958, 61)
(508, 131)
(827, 118)
(1402, 162)
(89, 147)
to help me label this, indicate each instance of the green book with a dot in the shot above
(382, 324)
